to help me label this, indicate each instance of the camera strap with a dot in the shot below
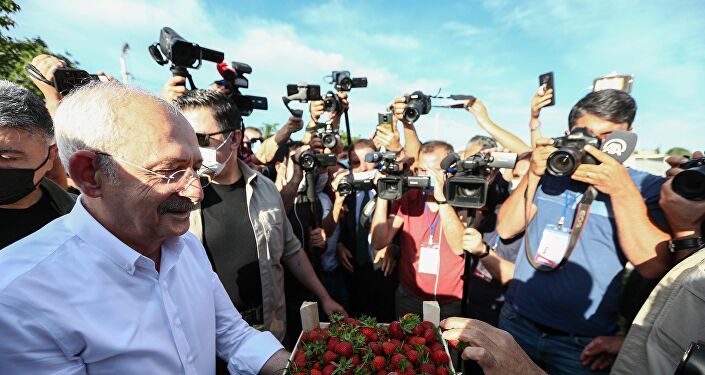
(583, 211)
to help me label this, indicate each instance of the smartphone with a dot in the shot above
(67, 79)
(386, 120)
(547, 79)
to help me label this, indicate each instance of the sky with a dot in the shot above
(492, 49)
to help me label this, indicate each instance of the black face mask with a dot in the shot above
(17, 183)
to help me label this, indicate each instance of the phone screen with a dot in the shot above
(547, 79)
(385, 120)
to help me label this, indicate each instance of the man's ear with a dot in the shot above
(237, 140)
(85, 173)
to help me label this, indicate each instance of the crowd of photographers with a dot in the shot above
(582, 264)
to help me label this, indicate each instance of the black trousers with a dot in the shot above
(371, 293)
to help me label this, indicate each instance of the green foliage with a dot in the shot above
(269, 129)
(678, 151)
(16, 53)
(344, 137)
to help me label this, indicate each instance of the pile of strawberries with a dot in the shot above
(357, 347)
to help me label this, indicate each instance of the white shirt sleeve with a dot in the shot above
(26, 347)
(244, 348)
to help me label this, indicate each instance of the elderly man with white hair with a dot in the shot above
(117, 286)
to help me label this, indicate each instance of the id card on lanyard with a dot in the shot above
(430, 250)
(557, 241)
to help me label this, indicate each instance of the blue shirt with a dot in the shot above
(74, 299)
(582, 297)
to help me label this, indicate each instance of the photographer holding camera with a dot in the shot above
(560, 300)
(430, 269)
(241, 220)
(672, 316)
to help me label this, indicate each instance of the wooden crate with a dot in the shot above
(311, 320)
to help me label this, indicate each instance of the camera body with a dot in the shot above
(303, 92)
(309, 160)
(343, 81)
(393, 186)
(417, 104)
(329, 137)
(182, 53)
(332, 102)
(468, 186)
(690, 184)
(571, 152)
(68, 79)
(350, 185)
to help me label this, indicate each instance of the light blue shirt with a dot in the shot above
(74, 299)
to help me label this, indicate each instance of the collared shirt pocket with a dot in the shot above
(680, 322)
(272, 222)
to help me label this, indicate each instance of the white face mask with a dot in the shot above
(210, 158)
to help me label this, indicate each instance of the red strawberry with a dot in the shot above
(344, 348)
(415, 340)
(325, 335)
(418, 330)
(316, 366)
(442, 371)
(457, 345)
(381, 372)
(440, 357)
(398, 359)
(332, 343)
(427, 324)
(430, 336)
(352, 321)
(409, 371)
(329, 357)
(379, 362)
(427, 368)
(314, 335)
(316, 372)
(413, 356)
(395, 330)
(376, 348)
(328, 370)
(304, 337)
(300, 360)
(389, 347)
(406, 348)
(356, 360)
(436, 346)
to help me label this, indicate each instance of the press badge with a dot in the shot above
(553, 246)
(429, 258)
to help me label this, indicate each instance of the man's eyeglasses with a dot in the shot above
(179, 180)
(204, 139)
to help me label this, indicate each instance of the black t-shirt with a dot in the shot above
(230, 243)
(20, 223)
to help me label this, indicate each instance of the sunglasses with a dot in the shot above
(204, 139)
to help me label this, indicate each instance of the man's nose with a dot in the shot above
(193, 191)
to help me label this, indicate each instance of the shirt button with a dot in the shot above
(177, 321)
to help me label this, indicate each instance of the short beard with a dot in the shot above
(176, 204)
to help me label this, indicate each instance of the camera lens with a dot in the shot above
(345, 84)
(308, 162)
(329, 140)
(411, 114)
(345, 188)
(690, 184)
(563, 162)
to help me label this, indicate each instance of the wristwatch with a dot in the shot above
(691, 243)
(487, 250)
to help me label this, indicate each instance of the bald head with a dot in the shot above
(120, 120)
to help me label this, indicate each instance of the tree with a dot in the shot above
(16, 53)
(268, 129)
(678, 151)
(344, 137)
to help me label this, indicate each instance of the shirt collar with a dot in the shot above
(86, 227)
(248, 173)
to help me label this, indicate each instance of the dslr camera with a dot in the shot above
(417, 104)
(182, 53)
(690, 184)
(309, 160)
(393, 186)
(468, 186)
(351, 184)
(332, 103)
(571, 152)
(343, 81)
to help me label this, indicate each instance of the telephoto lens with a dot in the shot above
(690, 184)
(345, 187)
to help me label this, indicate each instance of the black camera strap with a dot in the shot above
(576, 230)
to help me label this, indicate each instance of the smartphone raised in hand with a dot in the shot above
(386, 120)
(547, 79)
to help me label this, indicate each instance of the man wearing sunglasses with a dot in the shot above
(117, 285)
(242, 221)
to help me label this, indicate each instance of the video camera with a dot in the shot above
(309, 160)
(343, 81)
(183, 54)
(571, 152)
(393, 186)
(417, 104)
(690, 184)
(303, 93)
(468, 185)
(356, 182)
(235, 76)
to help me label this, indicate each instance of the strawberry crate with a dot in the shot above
(352, 347)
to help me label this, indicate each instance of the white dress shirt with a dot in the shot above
(74, 299)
